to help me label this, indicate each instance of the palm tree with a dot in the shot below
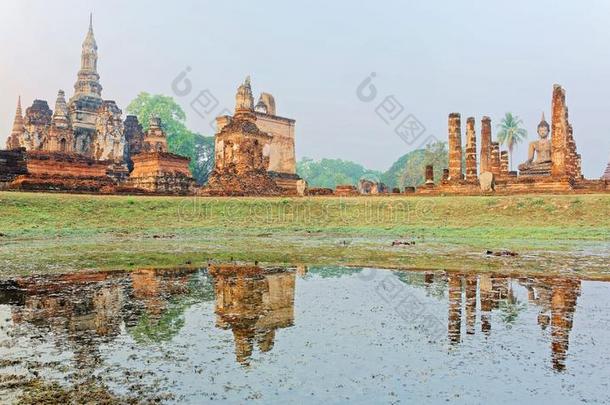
(511, 133)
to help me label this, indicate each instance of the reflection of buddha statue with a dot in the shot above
(541, 150)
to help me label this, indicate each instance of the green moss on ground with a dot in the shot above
(56, 232)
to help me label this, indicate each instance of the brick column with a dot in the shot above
(471, 151)
(485, 145)
(455, 147)
(559, 137)
(504, 163)
(494, 165)
(573, 159)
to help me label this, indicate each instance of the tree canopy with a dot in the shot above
(408, 170)
(511, 133)
(332, 172)
(180, 140)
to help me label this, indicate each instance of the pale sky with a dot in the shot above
(436, 57)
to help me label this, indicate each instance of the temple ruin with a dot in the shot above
(242, 153)
(86, 125)
(83, 145)
(155, 169)
(279, 149)
(553, 165)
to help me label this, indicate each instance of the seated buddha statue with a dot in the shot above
(538, 161)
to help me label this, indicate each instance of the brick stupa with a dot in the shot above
(242, 154)
(155, 170)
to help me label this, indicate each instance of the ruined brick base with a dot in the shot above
(253, 183)
(290, 183)
(118, 172)
(346, 190)
(57, 183)
(521, 185)
(62, 172)
(12, 165)
(161, 173)
(167, 183)
(317, 191)
(543, 169)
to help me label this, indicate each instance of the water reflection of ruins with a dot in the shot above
(555, 298)
(253, 303)
(79, 313)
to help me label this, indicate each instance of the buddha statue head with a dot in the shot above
(543, 128)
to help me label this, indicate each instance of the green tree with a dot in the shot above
(180, 140)
(332, 172)
(511, 133)
(409, 169)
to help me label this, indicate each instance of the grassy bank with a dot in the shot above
(54, 232)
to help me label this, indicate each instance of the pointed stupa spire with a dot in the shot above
(244, 100)
(18, 121)
(87, 83)
(60, 115)
(89, 42)
(14, 139)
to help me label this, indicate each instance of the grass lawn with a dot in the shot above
(41, 233)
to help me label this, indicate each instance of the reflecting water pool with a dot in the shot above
(321, 334)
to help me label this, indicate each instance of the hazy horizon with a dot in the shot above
(434, 57)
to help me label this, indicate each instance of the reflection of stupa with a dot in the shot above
(253, 303)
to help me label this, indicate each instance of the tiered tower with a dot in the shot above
(60, 134)
(87, 98)
(88, 81)
(15, 139)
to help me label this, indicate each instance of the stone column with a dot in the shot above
(504, 163)
(485, 145)
(560, 132)
(471, 151)
(455, 147)
(494, 165)
(486, 296)
(573, 158)
(471, 303)
(430, 175)
(454, 284)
